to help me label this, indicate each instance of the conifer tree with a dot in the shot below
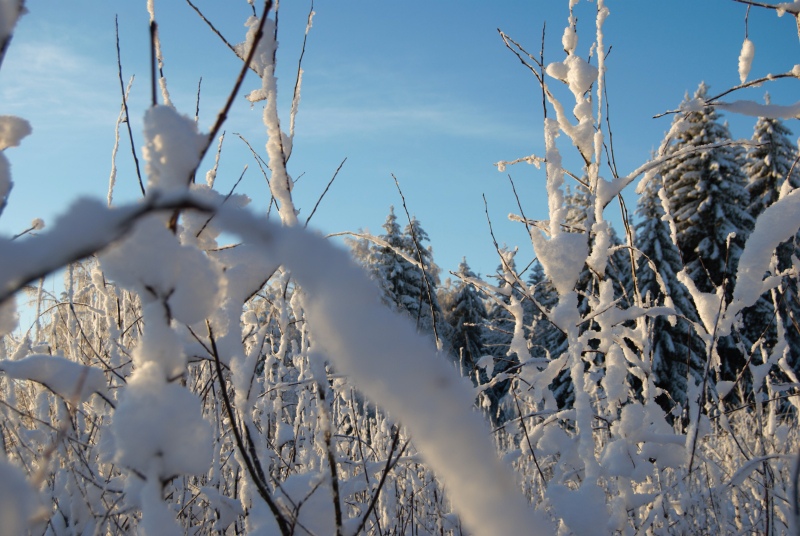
(386, 266)
(768, 164)
(545, 337)
(767, 168)
(414, 298)
(676, 351)
(708, 199)
(466, 316)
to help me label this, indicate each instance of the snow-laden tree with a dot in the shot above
(707, 197)
(393, 261)
(677, 353)
(416, 294)
(466, 314)
(767, 167)
(709, 202)
(768, 164)
(386, 266)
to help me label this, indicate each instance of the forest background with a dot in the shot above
(580, 371)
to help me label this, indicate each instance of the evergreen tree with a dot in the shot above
(414, 298)
(386, 266)
(466, 316)
(674, 347)
(767, 168)
(708, 199)
(545, 337)
(403, 288)
(768, 165)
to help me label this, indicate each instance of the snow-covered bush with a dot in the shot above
(180, 387)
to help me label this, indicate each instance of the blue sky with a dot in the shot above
(424, 90)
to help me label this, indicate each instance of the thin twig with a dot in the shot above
(197, 106)
(217, 31)
(326, 435)
(223, 114)
(297, 80)
(527, 438)
(223, 202)
(325, 192)
(389, 466)
(125, 104)
(421, 262)
(153, 30)
(260, 485)
(525, 219)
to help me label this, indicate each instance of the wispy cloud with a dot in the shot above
(407, 120)
(48, 80)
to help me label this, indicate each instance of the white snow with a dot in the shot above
(788, 7)
(562, 257)
(152, 261)
(160, 422)
(68, 379)
(17, 499)
(12, 130)
(746, 59)
(172, 149)
(779, 222)
(262, 59)
(754, 109)
(569, 40)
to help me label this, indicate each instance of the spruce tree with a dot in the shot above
(768, 164)
(467, 316)
(414, 298)
(674, 347)
(386, 266)
(545, 337)
(708, 199)
(767, 168)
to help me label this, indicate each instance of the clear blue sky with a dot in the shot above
(422, 89)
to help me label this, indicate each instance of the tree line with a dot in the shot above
(714, 196)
